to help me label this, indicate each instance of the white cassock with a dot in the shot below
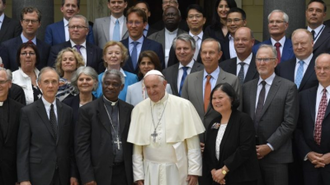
(175, 153)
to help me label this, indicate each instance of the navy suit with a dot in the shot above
(9, 49)
(287, 70)
(322, 45)
(146, 45)
(10, 28)
(287, 52)
(94, 55)
(55, 34)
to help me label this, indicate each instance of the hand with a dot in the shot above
(25, 183)
(74, 181)
(217, 176)
(202, 147)
(192, 179)
(140, 182)
(316, 159)
(262, 150)
(91, 183)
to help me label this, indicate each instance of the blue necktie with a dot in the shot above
(134, 54)
(116, 32)
(299, 74)
(184, 75)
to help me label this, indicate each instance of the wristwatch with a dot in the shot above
(223, 171)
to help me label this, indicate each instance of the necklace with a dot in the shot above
(118, 142)
(154, 134)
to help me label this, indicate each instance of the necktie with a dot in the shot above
(53, 122)
(134, 54)
(277, 46)
(313, 33)
(207, 92)
(196, 47)
(184, 75)
(241, 73)
(260, 104)
(78, 48)
(116, 31)
(30, 42)
(320, 117)
(299, 74)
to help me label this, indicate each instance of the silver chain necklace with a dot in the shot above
(154, 134)
(117, 141)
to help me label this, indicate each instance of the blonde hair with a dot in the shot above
(77, 56)
(124, 52)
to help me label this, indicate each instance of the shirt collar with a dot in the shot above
(120, 19)
(66, 22)
(268, 80)
(82, 44)
(215, 73)
(320, 89)
(281, 41)
(317, 30)
(108, 102)
(246, 61)
(24, 39)
(306, 60)
(46, 103)
(140, 40)
(2, 17)
(200, 35)
(190, 64)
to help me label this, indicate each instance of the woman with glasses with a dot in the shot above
(67, 62)
(26, 75)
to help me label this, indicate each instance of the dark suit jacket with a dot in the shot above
(278, 118)
(55, 34)
(230, 66)
(10, 28)
(17, 93)
(94, 55)
(237, 150)
(322, 45)
(9, 49)
(93, 142)
(287, 70)
(171, 75)
(146, 45)
(305, 132)
(287, 52)
(8, 144)
(38, 153)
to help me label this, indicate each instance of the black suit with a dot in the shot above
(94, 145)
(171, 75)
(305, 137)
(287, 70)
(9, 49)
(93, 52)
(322, 45)
(237, 150)
(17, 93)
(10, 28)
(73, 102)
(8, 144)
(38, 153)
(230, 66)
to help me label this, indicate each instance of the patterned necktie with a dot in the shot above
(241, 73)
(299, 74)
(260, 105)
(134, 55)
(277, 46)
(313, 33)
(207, 92)
(53, 122)
(78, 48)
(320, 117)
(184, 75)
(116, 31)
(196, 47)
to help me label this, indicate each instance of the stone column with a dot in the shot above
(97, 9)
(295, 10)
(46, 7)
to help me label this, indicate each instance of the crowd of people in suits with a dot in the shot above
(66, 101)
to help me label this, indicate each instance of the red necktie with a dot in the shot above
(207, 93)
(278, 45)
(320, 117)
(30, 42)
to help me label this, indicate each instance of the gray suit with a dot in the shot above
(278, 119)
(101, 30)
(171, 75)
(192, 90)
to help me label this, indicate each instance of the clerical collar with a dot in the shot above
(171, 32)
(161, 101)
(1, 103)
(112, 103)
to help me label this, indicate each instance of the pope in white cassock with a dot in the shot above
(164, 130)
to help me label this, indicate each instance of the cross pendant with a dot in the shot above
(154, 135)
(118, 142)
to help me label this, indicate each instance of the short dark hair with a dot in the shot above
(230, 91)
(30, 9)
(144, 2)
(110, 0)
(78, 3)
(139, 12)
(196, 7)
(27, 45)
(215, 18)
(318, 1)
(153, 58)
(238, 10)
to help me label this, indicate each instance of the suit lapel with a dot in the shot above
(103, 115)
(106, 26)
(89, 52)
(309, 71)
(61, 33)
(60, 119)
(43, 115)
(253, 96)
(199, 90)
(232, 68)
(323, 37)
(174, 78)
(271, 94)
(4, 26)
(11, 119)
(252, 70)
(122, 116)
(312, 102)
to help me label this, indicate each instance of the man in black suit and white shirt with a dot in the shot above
(9, 28)
(45, 138)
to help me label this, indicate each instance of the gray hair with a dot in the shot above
(285, 16)
(8, 73)
(89, 71)
(269, 47)
(80, 17)
(186, 38)
(212, 40)
(45, 69)
(114, 72)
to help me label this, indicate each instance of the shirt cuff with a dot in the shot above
(270, 146)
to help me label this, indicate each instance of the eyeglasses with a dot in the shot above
(276, 22)
(266, 60)
(3, 82)
(197, 16)
(236, 20)
(137, 23)
(170, 2)
(27, 21)
(30, 53)
(78, 27)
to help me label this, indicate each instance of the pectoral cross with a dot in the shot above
(154, 135)
(118, 142)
